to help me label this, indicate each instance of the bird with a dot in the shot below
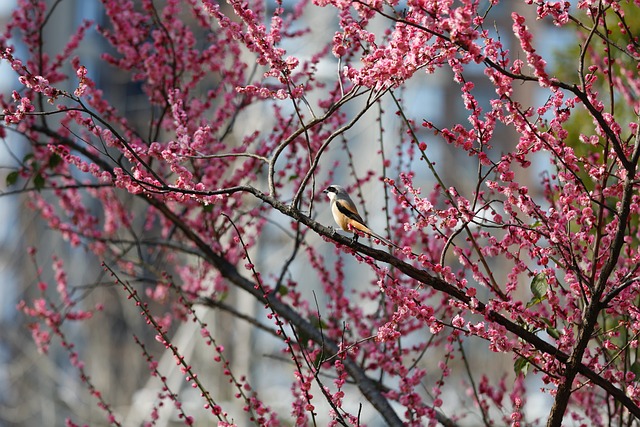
(345, 213)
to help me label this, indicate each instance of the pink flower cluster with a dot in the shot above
(523, 239)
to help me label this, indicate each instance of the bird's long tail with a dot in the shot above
(382, 239)
(359, 225)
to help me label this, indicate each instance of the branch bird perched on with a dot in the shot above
(346, 214)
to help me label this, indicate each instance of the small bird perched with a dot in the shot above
(346, 214)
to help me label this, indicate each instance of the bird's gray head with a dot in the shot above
(335, 190)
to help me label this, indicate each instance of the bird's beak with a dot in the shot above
(325, 191)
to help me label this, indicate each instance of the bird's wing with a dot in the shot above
(349, 212)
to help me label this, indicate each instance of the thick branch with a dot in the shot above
(596, 304)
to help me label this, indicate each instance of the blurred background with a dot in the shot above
(44, 390)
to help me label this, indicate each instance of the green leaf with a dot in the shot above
(539, 286)
(521, 366)
(553, 332)
(54, 160)
(635, 368)
(38, 182)
(547, 321)
(27, 157)
(551, 329)
(534, 301)
(12, 178)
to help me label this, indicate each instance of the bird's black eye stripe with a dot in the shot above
(331, 189)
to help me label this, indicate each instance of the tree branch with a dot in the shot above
(367, 386)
